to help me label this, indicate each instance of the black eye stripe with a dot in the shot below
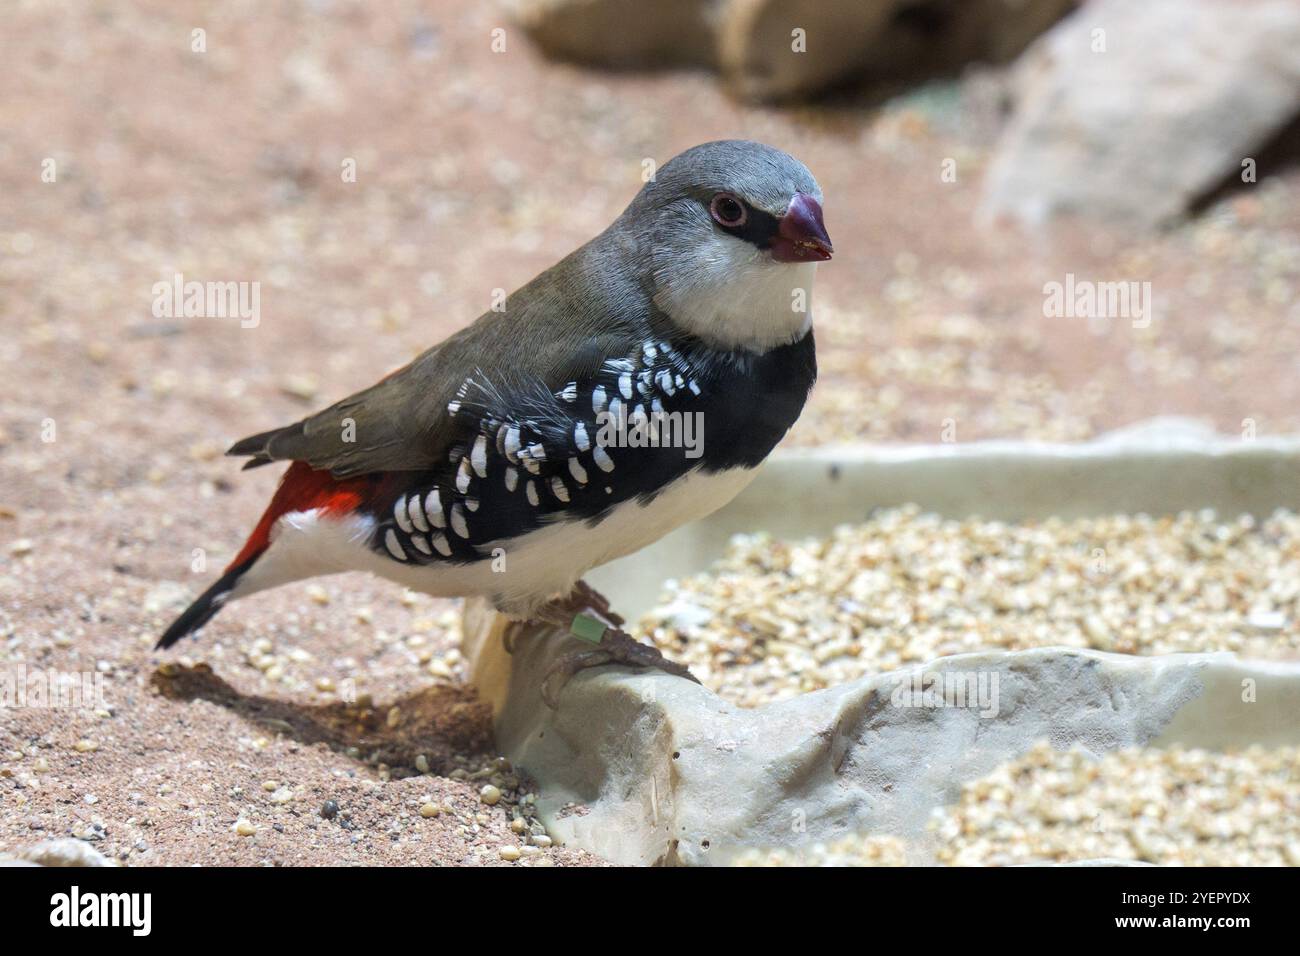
(760, 229)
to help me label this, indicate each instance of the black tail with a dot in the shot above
(208, 604)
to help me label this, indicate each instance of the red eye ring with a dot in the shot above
(728, 211)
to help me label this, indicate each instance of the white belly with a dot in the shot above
(519, 573)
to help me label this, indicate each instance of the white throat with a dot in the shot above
(735, 296)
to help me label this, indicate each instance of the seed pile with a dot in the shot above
(1177, 807)
(774, 619)
(852, 850)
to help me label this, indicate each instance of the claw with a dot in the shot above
(586, 615)
(615, 647)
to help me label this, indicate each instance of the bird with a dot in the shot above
(526, 449)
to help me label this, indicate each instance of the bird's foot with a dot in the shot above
(610, 645)
(586, 615)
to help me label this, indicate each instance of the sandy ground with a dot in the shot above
(474, 171)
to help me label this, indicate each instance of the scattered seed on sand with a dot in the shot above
(244, 827)
(429, 810)
(85, 746)
(851, 850)
(510, 852)
(490, 795)
(1176, 807)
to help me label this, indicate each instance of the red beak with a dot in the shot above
(801, 236)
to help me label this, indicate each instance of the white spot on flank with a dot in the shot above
(393, 546)
(559, 489)
(512, 443)
(512, 478)
(603, 461)
(471, 504)
(665, 381)
(580, 437)
(531, 457)
(570, 392)
(478, 457)
(433, 508)
(463, 476)
(598, 400)
(458, 524)
(453, 408)
(694, 388)
(649, 351)
(577, 471)
(625, 384)
(441, 544)
(417, 513)
(530, 489)
(420, 542)
(399, 512)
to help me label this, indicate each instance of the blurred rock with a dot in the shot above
(622, 34)
(872, 39)
(62, 852)
(787, 49)
(1182, 93)
(762, 59)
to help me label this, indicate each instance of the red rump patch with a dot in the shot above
(304, 489)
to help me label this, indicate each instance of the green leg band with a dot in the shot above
(587, 629)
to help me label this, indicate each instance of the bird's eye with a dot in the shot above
(728, 211)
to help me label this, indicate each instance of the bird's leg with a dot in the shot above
(563, 610)
(586, 598)
(585, 615)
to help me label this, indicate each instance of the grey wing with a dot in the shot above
(409, 420)
(395, 425)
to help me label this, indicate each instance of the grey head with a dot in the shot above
(730, 234)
